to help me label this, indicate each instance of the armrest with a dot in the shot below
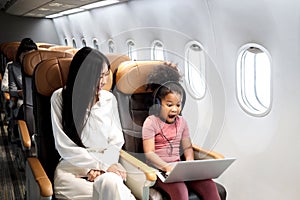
(24, 135)
(40, 178)
(201, 153)
(6, 96)
(140, 177)
(148, 171)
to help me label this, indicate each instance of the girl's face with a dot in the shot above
(170, 107)
(103, 77)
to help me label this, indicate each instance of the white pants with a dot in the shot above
(69, 185)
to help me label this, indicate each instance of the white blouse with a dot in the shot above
(102, 134)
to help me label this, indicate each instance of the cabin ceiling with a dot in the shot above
(40, 8)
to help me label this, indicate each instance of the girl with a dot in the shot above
(165, 131)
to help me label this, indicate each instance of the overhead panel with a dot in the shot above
(42, 8)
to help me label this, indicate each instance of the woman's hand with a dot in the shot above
(93, 173)
(118, 169)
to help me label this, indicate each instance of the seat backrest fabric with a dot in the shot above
(29, 63)
(134, 101)
(49, 75)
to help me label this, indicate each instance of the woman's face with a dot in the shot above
(103, 77)
(170, 107)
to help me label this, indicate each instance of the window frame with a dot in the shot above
(242, 97)
(132, 54)
(95, 43)
(202, 70)
(74, 43)
(153, 46)
(111, 46)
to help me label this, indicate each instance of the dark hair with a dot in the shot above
(161, 74)
(79, 92)
(26, 44)
(167, 88)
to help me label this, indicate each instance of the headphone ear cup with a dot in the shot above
(155, 108)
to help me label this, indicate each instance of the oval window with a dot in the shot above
(195, 69)
(254, 79)
(157, 50)
(95, 44)
(66, 41)
(74, 43)
(111, 46)
(131, 52)
(83, 41)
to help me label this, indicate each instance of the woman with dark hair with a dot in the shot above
(87, 132)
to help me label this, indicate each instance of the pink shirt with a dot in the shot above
(167, 137)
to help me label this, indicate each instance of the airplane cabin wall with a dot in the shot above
(14, 28)
(265, 147)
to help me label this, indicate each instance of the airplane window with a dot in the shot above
(95, 43)
(83, 42)
(66, 41)
(74, 43)
(157, 51)
(111, 46)
(195, 69)
(131, 52)
(254, 79)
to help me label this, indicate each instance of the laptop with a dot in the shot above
(195, 170)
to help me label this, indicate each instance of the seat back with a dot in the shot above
(29, 63)
(8, 53)
(50, 75)
(134, 101)
(60, 48)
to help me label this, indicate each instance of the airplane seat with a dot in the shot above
(5, 48)
(115, 60)
(30, 60)
(44, 45)
(60, 48)
(9, 52)
(72, 51)
(48, 76)
(134, 104)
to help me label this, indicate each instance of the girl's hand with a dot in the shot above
(93, 173)
(168, 168)
(118, 169)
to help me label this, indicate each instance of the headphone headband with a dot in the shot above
(157, 101)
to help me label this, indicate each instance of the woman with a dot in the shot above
(87, 133)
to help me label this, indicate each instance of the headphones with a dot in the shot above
(169, 85)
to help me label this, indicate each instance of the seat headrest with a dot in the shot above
(32, 58)
(6, 44)
(60, 48)
(52, 74)
(44, 45)
(131, 76)
(10, 51)
(115, 60)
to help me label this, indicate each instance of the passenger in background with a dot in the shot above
(15, 77)
(165, 131)
(87, 133)
(12, 83)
